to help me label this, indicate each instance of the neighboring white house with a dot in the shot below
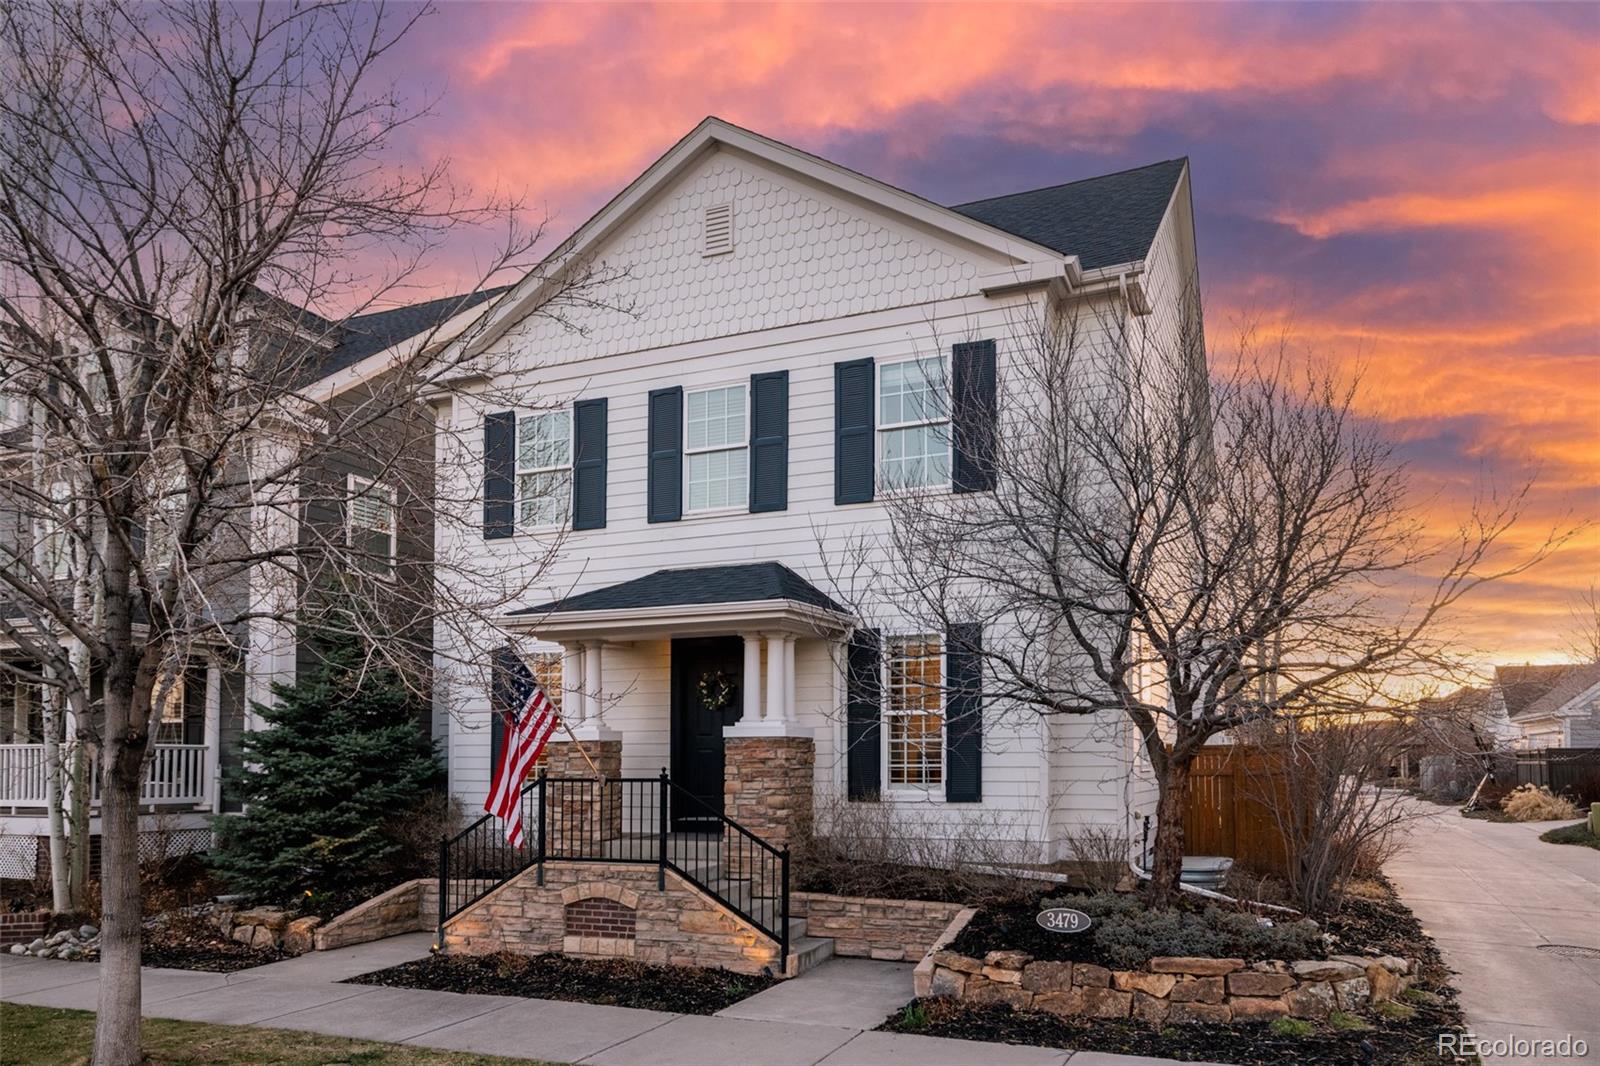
(1555, 706)
(196, 750)
(772, 364)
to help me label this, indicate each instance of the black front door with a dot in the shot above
(706, 696)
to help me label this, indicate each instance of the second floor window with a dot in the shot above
(913, 424)
(716, 449)
(544, 469)
(371, 525)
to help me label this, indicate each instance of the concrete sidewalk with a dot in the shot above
(1496, 899)
(822, 1017)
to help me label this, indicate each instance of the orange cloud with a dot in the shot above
(1415, 190)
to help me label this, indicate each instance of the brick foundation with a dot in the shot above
(22, 927)
(767, 786)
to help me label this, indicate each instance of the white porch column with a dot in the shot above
(213, 735)
(590, 725)
(775, 681)
(752, 678)
(594, 678)
(571, 682)
(788, 677)
(274, 525)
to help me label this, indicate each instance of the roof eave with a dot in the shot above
(696, 619)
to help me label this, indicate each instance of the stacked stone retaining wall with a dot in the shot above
(1171, 989)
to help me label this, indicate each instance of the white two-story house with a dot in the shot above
(770, 361)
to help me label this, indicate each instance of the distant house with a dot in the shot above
(1549, 706)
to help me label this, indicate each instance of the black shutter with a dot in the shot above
(863, 716)
(508, 682)
(589, 464)
(853, 424)
(963, 663)
(665, 442)
(975, 417)
(769, 441)
(499, 467)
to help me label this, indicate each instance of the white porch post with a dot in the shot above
(275, 524)
(752, 678)
(775, 679)
(213, 736)
(571, 682)
(788, 678)
(589, 725)
(594, 675)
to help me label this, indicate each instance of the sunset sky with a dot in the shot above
(1415, 188)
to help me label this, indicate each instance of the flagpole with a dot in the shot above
(581, 749)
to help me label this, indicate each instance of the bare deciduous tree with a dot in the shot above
(1193, 552)
(1583, 626)
(1321, 776)
(172, 491)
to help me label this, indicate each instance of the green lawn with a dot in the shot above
(1572, 834)
(33, 1036)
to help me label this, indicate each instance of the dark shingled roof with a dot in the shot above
(1103, 221)
(369, 334)
(1534, 691)
(696, 585)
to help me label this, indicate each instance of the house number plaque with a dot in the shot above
(1064, 920)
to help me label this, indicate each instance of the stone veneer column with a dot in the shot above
(767, 788)
(584, 814)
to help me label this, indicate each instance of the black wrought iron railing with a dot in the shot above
(622, 820)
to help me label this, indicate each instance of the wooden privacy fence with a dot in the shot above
(1229, 811)
(1571, 772)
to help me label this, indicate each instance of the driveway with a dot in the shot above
(1498, 901)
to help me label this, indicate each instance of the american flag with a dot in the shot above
(527, 730)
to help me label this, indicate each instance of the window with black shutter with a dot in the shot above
(664, 475)
(853, 423)
(769, 441)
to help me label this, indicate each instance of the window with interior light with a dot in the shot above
(913, 424)
(544, 469)
(914, 711)
(716, 434)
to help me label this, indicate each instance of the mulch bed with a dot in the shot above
(1255, 1044)
(615, 982)
(1014, 926)
(1383, 924)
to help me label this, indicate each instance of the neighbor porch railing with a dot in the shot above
(175, 776)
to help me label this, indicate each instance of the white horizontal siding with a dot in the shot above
(928, 306)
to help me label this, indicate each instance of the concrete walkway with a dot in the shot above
(822, 1018)
(1495, 897)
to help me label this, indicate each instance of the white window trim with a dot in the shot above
(355, 485)
(880, 428)
(933, 793)
(518, 471)
(732, 508)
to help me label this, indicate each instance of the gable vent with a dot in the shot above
(719, 230)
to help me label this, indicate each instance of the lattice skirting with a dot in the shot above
(27, 858)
